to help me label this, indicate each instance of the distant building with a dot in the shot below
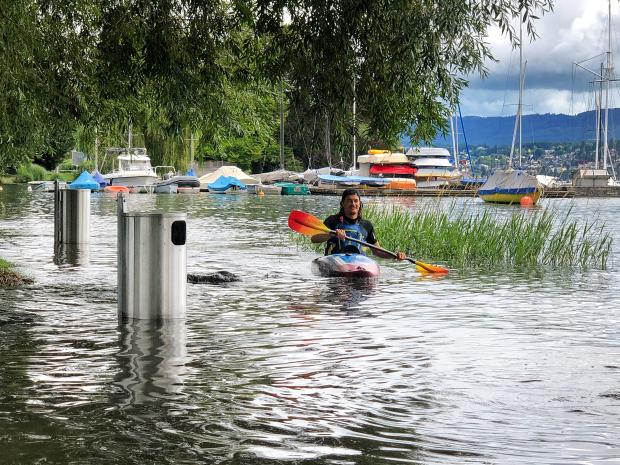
(590, 178)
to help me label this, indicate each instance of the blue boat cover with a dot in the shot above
(84, 181)
(224, 183)
(97, 177)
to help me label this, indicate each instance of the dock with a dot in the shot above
(459, 191)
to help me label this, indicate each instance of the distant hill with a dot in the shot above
(497, 130)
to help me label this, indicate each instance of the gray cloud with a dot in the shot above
(576, 30)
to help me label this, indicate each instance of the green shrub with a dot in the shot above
(31, 172)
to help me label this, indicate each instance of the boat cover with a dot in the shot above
(392, 169)
(223, 183)
(97, 177)
(84, 181)
(232, 171)
(181, 181)
(353, 180)
(278, 176)
(509, 182)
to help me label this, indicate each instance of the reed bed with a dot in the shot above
(31, 172)
(461, 238)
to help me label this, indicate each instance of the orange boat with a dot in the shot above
(116, 189)
(402, 184)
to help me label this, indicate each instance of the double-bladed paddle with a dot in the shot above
(309, 225)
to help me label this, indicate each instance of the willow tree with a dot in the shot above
(178, 65)
(408, 58)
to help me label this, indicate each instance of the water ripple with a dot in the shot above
(287, 367)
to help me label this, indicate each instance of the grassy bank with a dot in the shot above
(10, 277)
(33, 172)
(461, 238)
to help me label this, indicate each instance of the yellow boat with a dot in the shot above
(510, 186)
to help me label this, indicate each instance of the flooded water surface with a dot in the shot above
(284, 366)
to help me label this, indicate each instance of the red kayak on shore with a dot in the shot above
(346, 266)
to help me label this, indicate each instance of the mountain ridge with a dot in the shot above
(537, 128)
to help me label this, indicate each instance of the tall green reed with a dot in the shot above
(464, 239)
(461, 238)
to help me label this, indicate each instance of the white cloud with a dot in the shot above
(576, 30)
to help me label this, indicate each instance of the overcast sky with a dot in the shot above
(575, 31)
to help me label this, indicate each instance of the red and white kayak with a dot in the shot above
(346, 266)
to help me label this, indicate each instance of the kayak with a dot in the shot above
(346, 265)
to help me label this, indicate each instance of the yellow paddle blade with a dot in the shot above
(306, 224)
(428, 268)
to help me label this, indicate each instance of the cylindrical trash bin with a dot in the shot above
(152, 265)
(71, 216)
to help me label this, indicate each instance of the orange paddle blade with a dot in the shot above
(305, 223)
(428, 268)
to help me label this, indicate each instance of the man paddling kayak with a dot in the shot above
(349, 222)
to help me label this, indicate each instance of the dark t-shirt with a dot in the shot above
(336, 222)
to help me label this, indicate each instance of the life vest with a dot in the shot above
(355, 230)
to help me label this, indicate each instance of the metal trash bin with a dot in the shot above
(152, 265)
(71, 216)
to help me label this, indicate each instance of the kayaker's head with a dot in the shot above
(351, 204)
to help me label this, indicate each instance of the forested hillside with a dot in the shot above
(553, 128)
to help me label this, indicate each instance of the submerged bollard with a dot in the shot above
(71, 216)
(152, 264)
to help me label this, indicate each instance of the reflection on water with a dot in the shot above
(348, 294)
(72, 254)
(152, 357)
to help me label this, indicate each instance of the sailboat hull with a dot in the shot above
(509, 196)
(510, 186)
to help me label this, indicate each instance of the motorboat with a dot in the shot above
(178, 184)
(133, 170)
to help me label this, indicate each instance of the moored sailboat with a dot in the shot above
(512, 185)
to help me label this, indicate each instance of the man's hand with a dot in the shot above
(341, 234)
(400, 255)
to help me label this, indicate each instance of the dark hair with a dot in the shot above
(346, 193)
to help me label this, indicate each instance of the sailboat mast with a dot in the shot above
(129, 134)
(598, 100)
(191, 150)
(452, 133)
(519, 105)
(96, 149)
(521, 77)
(608, 73)
(281, 126)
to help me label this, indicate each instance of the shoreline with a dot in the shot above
(11, 278)
(549, 193)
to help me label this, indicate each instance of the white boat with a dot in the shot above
(433, 167)
(183, 184)
(384, 165)
(133, 170)
(513, 185)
